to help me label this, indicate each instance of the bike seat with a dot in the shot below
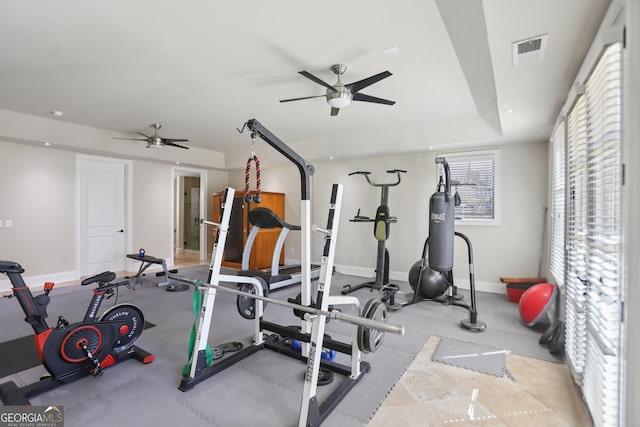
(10, 267)
(104, 277)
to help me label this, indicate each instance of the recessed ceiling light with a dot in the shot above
(47, 144)
(57, 113)
(330, 157)
(431, 147)
(392, 49)
(509, 110)
(177, 163)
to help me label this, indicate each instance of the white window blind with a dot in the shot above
(593, 238)
(556, 264)
(604, 184)
(473, 176)
(576, 242)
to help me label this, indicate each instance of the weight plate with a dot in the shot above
(374, 337)
(369, 339)
(246, 304)
(361, 329)
(216, 353)
(545, 338)
(556, 344)
(229, 347)
(325, 376)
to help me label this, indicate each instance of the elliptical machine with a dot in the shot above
(73, 351)
(380, 232)
(431, 277)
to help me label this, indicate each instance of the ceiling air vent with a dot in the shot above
(529, 51)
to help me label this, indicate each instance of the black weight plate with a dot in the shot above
(556, 345)
(216, 353)
(246, 304)
(546, 336)
(362, 329)
(229, 347)
(325, 376)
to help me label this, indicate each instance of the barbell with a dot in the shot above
(332, 314)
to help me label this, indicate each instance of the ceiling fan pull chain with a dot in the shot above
(247, 173)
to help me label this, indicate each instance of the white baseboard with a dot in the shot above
(37, 282)
(481, 286)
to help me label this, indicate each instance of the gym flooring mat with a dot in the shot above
(264, 389)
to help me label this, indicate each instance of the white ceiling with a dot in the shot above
(203, 68)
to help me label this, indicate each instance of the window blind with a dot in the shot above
(594, 238)
(473, 177)
(576, 243)
(556, 264)
(604, 186)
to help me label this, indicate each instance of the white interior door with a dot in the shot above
(101, 212)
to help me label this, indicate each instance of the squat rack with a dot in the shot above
(315, 314)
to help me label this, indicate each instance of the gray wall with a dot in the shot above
(509, 249)
(39, 195)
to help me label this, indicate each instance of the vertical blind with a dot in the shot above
(593, 238)
(473, 177)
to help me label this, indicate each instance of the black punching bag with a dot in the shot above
(441, 232)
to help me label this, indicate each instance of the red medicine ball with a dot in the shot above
(535, 302)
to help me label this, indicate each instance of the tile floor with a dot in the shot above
(430, 393)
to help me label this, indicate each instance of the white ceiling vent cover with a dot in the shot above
(529, 51)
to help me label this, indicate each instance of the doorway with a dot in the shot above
(189, 240)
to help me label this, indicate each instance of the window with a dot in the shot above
(473, 177)
(593, 296)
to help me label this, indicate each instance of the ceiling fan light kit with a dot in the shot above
(340, 95)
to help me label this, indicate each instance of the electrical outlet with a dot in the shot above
(8, 223)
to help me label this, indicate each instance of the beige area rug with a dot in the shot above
(431, 393)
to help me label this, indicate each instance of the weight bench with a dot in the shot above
(148, 261)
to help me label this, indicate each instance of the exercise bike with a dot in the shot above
(73, 351)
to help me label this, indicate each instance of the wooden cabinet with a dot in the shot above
(239, 228)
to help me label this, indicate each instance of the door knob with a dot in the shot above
(120, 231)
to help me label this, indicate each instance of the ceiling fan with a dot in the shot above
(155, 141)
(340, 95)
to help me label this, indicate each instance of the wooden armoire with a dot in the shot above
(239, 228)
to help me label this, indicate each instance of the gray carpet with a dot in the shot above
(264, 389)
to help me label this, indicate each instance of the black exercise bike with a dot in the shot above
(73, 351)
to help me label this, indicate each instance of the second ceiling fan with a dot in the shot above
(156, 141)
(340, 95)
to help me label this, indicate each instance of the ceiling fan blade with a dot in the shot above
(334, 111)
(175, 145)
(368, 98)
(317, 80)
(361, 84)
(167, 140)
(300, 99)
(140, 133)
(131, 139)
